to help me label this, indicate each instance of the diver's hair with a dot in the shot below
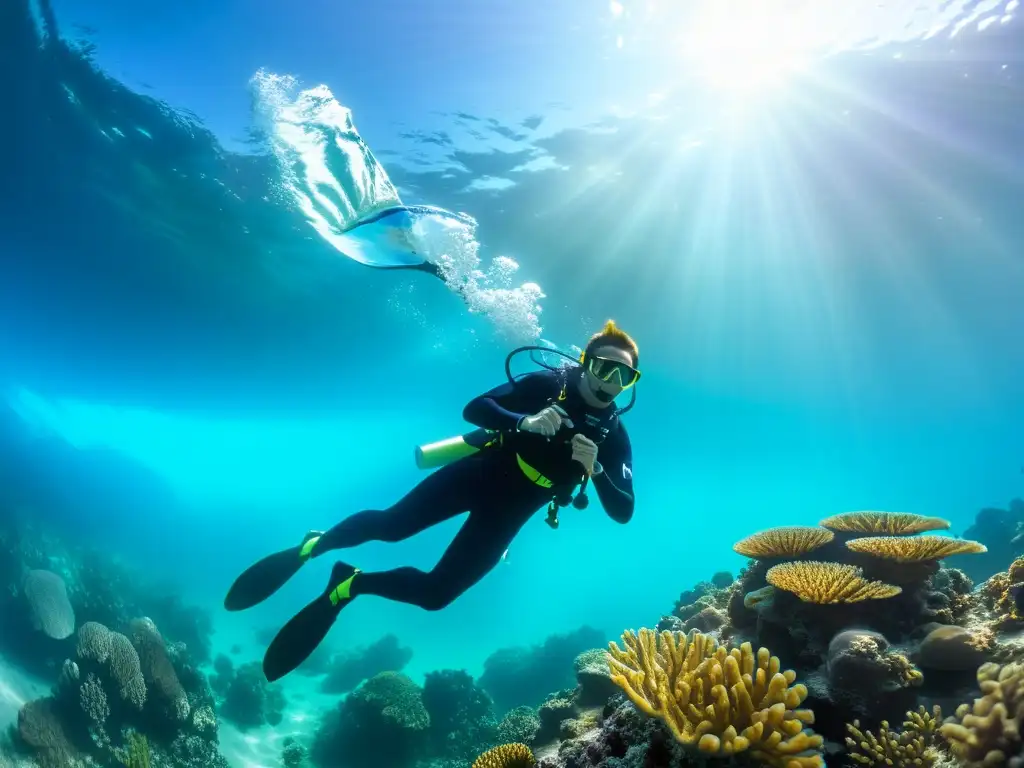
(613, 336)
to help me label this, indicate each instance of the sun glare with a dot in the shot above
(747, 46)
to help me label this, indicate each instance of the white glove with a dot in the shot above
(547, 422)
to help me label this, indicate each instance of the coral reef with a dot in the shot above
(347, 670)
(460, 714)
(1002, 533)
(382, 724)
(245, 696)
(988, 732)
(824, 583)
(783, 542)
(89, 625)
(506, 756)
(391, 722)
(292, 754)
(48, 602)
(523, 676)
(703, 608)
(865, 622)
(114, 693)
(519, 725)
(594, 684)
(871, 624)
(862, 669)
(913, 746)
(621, 736)
(885, 523)
(914, 549)
(50, 588)
(722, 702)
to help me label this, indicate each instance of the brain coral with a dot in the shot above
(98, 644)
(48, 601)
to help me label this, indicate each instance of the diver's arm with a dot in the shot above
(614, 483)
(503, 407)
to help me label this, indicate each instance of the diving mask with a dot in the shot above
(613, 371)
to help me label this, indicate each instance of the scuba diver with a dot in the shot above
(540, 436)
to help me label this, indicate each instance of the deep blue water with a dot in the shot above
(826, 283)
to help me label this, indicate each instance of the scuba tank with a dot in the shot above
(434, 455)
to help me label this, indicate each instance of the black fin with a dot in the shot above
(263, 578)
(306, 629)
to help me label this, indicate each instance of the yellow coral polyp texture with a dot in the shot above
(988, 732)
(914, 549)
(721, 701)
(784, 541)
(506, 756)
(823, 583)
(910, 747)
(889, 523)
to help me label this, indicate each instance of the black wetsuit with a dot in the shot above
(494, 489)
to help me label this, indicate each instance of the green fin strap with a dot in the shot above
(307, 548)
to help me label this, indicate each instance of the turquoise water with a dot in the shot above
(822, 270)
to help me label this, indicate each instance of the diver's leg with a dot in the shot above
(440, 496)
(476, 549)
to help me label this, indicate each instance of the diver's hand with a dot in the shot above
(547, 422)
(584, 450)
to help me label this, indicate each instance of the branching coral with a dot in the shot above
(137, 754)
(722, 701)
(506, 756)
(816, 582)
(94, 700)
(889, 523)
(988, 733)
(914, 549)
(784, 541)
(899, 749)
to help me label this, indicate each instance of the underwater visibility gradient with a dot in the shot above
(257, 258)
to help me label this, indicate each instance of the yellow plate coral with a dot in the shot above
(914, 549)
(816, 582)
(783, 541)
(890, 523)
